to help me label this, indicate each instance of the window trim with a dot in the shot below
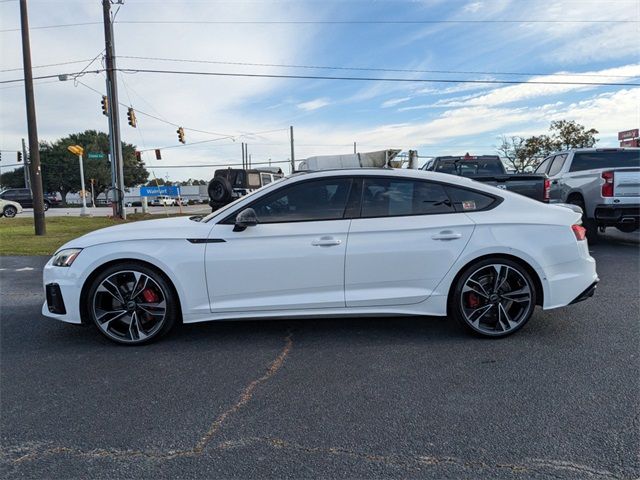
(231, 218)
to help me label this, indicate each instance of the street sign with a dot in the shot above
(96, 155)
(628, 134)
(171, 190)
(634, 142)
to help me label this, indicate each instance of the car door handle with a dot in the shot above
(326, 242)
(447, 235)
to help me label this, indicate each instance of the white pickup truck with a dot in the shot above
(603, 182)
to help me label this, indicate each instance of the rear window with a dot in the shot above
(470, 167)
(469, 200)
(604, 159)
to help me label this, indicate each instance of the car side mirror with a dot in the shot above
(246, 218)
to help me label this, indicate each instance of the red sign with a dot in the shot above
(627, 134)
(635, 142)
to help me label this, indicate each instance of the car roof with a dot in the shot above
(598, 149)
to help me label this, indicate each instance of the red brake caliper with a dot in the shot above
(149, 295)
(472, 300)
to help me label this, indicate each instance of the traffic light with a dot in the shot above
(131, 116)
(19, 156)
(158, 155)
(138, 156)
(105, 105)
(180, 133)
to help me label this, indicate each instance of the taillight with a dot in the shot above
(579, 231)
(607, 186)
(547, 190)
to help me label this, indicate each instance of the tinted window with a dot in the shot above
(315, 200)
(266, 178)
(542, 168)
(387, 197)
(556, 166)
(469, 200)
(470, 167)
(604, 159)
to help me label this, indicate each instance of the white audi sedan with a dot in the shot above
(365, 242)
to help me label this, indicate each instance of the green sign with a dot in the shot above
(96, 155)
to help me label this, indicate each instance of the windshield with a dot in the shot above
(260, 191)
(467, 168)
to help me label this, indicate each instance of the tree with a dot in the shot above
(567, 134)
(13, 178)
(60, 170)
(524, 153)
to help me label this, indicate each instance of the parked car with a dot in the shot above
(163, 200)
(9, 209)
(230, 184)
(25, 199)
(603, 182)
(489, 169)
(364, 242)
(182, 201)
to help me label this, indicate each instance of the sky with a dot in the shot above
(524, 40)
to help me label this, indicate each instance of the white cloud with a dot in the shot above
(395, 101)
(313, 104)
(472, 7)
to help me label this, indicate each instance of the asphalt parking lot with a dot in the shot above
(326, 398)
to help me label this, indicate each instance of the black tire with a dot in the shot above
(588, 223)
(516, 279)
(46, 205)
(117, 328)
(10, 211)
(219, 190)
(628, 227)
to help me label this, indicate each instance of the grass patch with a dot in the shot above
(17, 234)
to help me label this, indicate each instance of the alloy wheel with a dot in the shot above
(496, 299)
(129, 306)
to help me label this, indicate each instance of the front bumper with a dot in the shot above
(616, 214)
(65, 294)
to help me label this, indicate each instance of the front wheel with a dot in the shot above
(10, 211)
(46, 206)
(132, 304)
(493, 298)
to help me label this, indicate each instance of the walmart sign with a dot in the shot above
(172, 191)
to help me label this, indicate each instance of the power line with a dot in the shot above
(57, 75)
(368, 69)
(376, 79)
(47, 65)
(218, 165)
(322, 22)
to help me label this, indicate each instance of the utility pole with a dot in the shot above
(293, 157)
(25, 159)
(114, 118)
(243, 161)
(354, 148)
(34, 164)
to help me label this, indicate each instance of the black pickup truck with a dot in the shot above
(489, 169)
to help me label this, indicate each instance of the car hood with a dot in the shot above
(161, 229)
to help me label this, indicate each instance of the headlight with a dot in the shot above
(64, 258)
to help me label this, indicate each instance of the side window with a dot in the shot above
(556, 166)
(306, 201)
(469, 200)
(266, 178)
(389, 197)
(542, 168)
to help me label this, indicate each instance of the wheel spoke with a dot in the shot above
(106, 318)
(521, 296)
(112, 290)
(482, 312)
(141, 284)
(154, 308)
(503, 317)
(502, 272)
(471, 288)
(482, 291)
(135, 330)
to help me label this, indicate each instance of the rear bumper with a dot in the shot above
(588, 293)
(617, 214)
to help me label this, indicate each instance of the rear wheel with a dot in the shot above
(46, 205)
(10, 211)
(493, 298)
(132, 304)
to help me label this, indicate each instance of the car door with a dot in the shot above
(556, 193)
(292, 259)
(407, 238)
